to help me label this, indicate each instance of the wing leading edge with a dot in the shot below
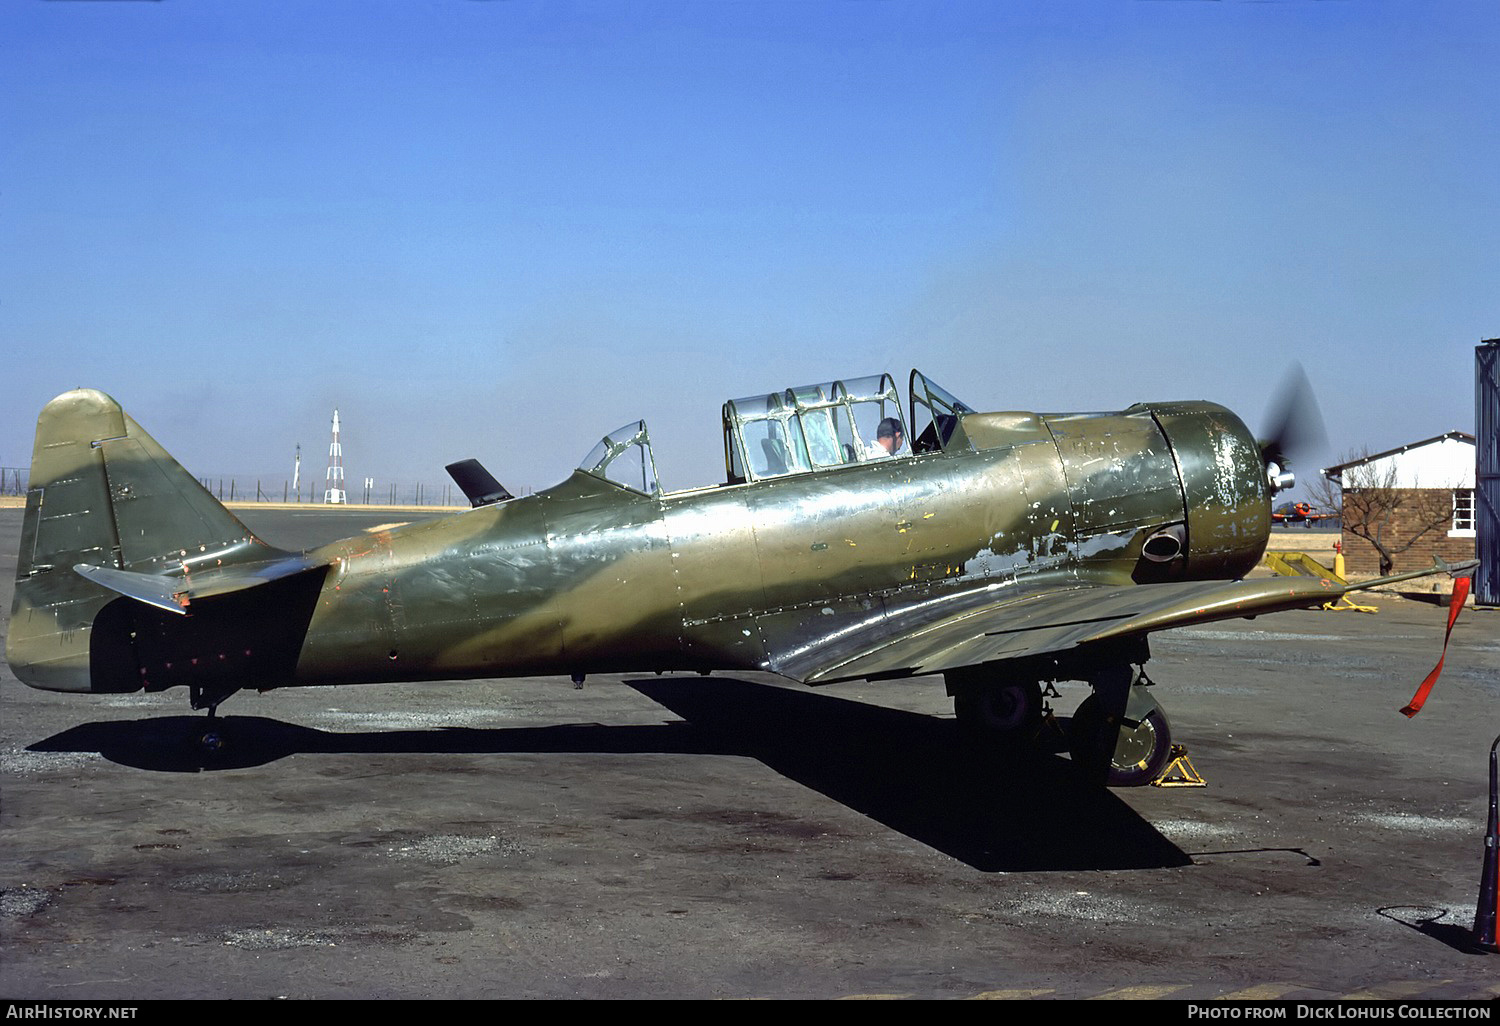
(1063, 615)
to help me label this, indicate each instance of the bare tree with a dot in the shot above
(1374, 505)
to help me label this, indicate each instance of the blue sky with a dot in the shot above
(500, 229)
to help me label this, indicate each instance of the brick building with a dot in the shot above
(1418, 501)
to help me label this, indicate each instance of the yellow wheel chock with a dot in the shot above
(1180, 771)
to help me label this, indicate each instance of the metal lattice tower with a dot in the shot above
(334, 493)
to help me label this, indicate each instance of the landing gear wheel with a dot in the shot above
(1138, 755)
(992, 711)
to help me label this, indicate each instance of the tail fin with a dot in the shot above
(103, 493)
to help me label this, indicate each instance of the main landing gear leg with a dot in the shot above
(1119, 734)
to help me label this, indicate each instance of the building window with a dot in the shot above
(1463, 513)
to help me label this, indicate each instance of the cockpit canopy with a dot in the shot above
(624, 456)
(812, 427)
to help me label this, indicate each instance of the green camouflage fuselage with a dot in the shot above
(801, 575)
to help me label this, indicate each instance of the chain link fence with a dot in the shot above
(248, 488)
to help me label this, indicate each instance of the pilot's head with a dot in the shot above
(889, 434)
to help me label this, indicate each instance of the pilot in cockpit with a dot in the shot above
(889, 438)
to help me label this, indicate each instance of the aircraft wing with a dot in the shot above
(1003, 623)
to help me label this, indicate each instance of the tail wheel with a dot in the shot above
(1129, 756)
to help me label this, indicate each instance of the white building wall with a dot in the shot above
(1447, 463)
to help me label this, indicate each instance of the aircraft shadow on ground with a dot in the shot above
(905, 770)
(910, 772)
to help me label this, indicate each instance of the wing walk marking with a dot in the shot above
(1142, 993)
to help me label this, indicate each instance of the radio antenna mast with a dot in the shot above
(334, 493)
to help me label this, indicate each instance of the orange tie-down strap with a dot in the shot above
(1460, 593)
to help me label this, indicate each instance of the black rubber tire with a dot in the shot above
(1139, 755)
(1012, 710)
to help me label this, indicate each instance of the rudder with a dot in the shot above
(103, 493)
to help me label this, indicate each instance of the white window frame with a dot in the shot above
(1463, 514)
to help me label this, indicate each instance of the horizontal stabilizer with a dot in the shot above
(161, 592)
(175, 593)
(478, 484)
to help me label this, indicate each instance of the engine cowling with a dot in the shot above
(1224, 487)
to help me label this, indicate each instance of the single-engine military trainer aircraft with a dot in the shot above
(852, 538)
(1302, 513)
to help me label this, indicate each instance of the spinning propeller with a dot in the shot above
(1294, 428)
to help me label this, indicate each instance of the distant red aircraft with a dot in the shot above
(1300, 513)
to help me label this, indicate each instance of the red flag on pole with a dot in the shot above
(1460, 593)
